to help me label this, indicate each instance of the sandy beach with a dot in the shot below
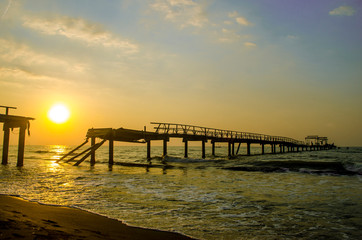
(22, 219)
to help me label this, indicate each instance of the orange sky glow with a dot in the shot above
(292, 71)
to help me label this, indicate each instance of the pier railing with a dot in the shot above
(183, 129)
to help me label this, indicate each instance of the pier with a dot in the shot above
(11, 122)
(165, 131)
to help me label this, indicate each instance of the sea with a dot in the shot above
(299, 195)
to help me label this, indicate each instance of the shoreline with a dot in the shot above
(20, 218)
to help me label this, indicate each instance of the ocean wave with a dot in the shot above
(315, 167)
(42, 151)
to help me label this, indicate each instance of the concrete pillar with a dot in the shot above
(186, 155)
(164, 147)
(280, 148)
(233, 148)
(229, 149)
(93, 152)
(21, 145)
(213, 148)
(111, 145)
(203, 149)
(262, 149)
(6, 145)
(148, 149)
(248, 148)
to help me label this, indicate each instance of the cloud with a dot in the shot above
(292, 37)
(229, 36)
(249, 45)
(183, 12)
(343, 11)
(14, 53)
(79, 29)
(239, 19)
(228, 23)
(6, 9)
(17, 77)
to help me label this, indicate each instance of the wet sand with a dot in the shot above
(21, 219)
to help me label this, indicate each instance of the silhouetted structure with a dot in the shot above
(165, 131)
(11, 122)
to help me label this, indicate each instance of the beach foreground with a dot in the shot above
(29, 220)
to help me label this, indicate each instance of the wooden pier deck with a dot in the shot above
(165, 131)
(10, 122)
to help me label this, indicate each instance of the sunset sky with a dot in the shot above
(283, 67)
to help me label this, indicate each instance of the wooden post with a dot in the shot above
(213, 148)
(110, 160)
(186, 155)
(203, 149)
(148, 149)
(233, 148)
(164, 147)
(248, 148)
(229, 149)
(75, 149)
(93, 152)
(237, 151)
(21, 145)
(95, 147)
(6, 145)
(262, 149)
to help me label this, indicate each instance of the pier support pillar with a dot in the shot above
(6, 145)
(203, 149)
(213, 148)
(186, 155)
(21, 146)
(93, 152)
(164, 147)
(283, 149)
(148, 150)
(262, 149)
(280, 148)
(233, 149)
(237, 151)
(111, 147)
(229, 149)
(248, 148)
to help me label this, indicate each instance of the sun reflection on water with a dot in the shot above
(57, 151)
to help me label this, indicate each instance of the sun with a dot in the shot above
(58, 113)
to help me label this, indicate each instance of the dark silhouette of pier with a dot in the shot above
(11, 122)
(165, 131)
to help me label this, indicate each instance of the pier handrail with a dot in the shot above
(176, 128)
